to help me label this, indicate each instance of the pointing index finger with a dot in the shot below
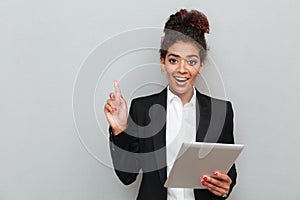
(117, 88)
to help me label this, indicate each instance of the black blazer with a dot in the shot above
(142, 146)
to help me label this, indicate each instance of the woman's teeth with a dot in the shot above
(180, 79)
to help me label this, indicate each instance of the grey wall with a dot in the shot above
(51, 146)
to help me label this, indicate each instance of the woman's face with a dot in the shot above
(182, 65)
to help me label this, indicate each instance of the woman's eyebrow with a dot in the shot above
(189, 56)
(175, 55)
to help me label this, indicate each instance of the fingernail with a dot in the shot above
(216, 173)
(116, 109)
(205, 178)
(121, 96)
(203, 183)
(113, 96)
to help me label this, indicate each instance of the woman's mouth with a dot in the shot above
(181, 79)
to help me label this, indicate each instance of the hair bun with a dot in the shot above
(188, 19)
(195, 19)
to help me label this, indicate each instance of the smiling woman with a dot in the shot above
(190, 116)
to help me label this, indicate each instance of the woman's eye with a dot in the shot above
(173, 61)
(192, 62)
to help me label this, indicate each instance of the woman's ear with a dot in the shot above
(201, 68)
(162, 64)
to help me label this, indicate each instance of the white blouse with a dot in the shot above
(180, 127)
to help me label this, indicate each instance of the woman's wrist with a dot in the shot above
(117, 130)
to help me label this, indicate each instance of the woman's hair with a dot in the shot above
(186, 26)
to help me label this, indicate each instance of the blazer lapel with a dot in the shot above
(202, 116)
(159, 139)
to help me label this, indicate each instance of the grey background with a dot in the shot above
(44, 43)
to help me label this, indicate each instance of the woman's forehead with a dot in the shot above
(183, 49)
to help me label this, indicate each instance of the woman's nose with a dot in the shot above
(182, 66)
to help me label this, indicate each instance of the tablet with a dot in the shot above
(194, 160)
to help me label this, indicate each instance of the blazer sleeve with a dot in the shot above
(124, 149)
(227, 137)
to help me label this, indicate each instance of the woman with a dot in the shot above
(187, 115)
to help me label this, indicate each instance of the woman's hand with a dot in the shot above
(218, 184)
(115, 111)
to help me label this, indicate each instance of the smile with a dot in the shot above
(181, 79)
